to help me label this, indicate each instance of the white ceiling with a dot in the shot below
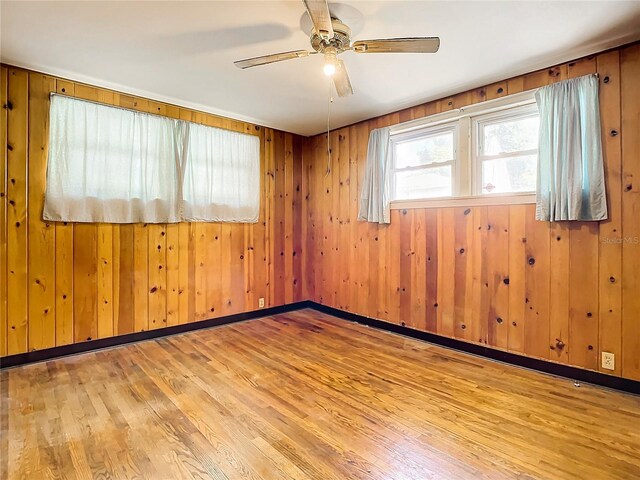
(183, 52)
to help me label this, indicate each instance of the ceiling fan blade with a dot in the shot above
(398, 45)
(319, 12)
(266, 59)
(341, 80)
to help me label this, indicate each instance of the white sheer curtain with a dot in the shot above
(93, 147)
(374, 196)
(221, 176)
(112, 165)
(570, 167)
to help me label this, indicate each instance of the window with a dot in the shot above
(506, 150)
(109, 164)
(423, 163)
(485, 150)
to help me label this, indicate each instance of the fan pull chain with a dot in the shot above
(329, 102)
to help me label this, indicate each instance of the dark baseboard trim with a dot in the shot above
(65, 350)
(574, 373)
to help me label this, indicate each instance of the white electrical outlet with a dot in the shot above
(261, 303)
(608, 361)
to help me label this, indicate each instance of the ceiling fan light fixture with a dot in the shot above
(329, 69)
(330, 60)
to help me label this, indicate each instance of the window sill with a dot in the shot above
(469, 201)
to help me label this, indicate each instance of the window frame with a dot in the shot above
(465, 186)
(478, 122)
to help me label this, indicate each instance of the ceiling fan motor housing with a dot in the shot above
(341, 40)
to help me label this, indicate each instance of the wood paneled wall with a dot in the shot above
(68, 283)
(491, 275)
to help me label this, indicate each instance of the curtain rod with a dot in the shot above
(95, 102)
(489, 105)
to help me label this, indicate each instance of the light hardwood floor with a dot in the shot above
(307, 396)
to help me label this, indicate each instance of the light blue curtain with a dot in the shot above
(570, 167)
(374, 196)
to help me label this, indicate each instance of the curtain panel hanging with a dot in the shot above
(110, 165)
(220, 185)
(113, 165)
(570, 182)
(375, 196)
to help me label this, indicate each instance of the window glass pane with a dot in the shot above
(425, 150)
(427, 183)
(509, 174)
(512, 135)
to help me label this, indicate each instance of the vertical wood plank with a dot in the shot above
(333, 274)
(85, 269)
(630, 101)
(307, 222)
(343, 219)
(583, 295)
(537, 287)
(125, 246)
(201, 277)
(237, 260)
(269, 213)
(479, 284)
(559, 340)
(226, 251)
(432, 269)
(419, 270)
(17, 168)
(496, 257)
(105, 281)
(610, 253)
(4, 79)
(141, 277)
(64, 283)
(517, 269)
(157, 276)
(407, 240)
(279, 246)
(41, 235)
(446, 272)
(354, 191)
(463, 276)
(298, 221)
(318, 223)
(288, 192)
(214, 294)
(173, 274)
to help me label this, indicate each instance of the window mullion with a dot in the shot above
(463, 170)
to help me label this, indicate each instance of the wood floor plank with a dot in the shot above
(304, 395)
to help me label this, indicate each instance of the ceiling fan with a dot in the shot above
(331, 37)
